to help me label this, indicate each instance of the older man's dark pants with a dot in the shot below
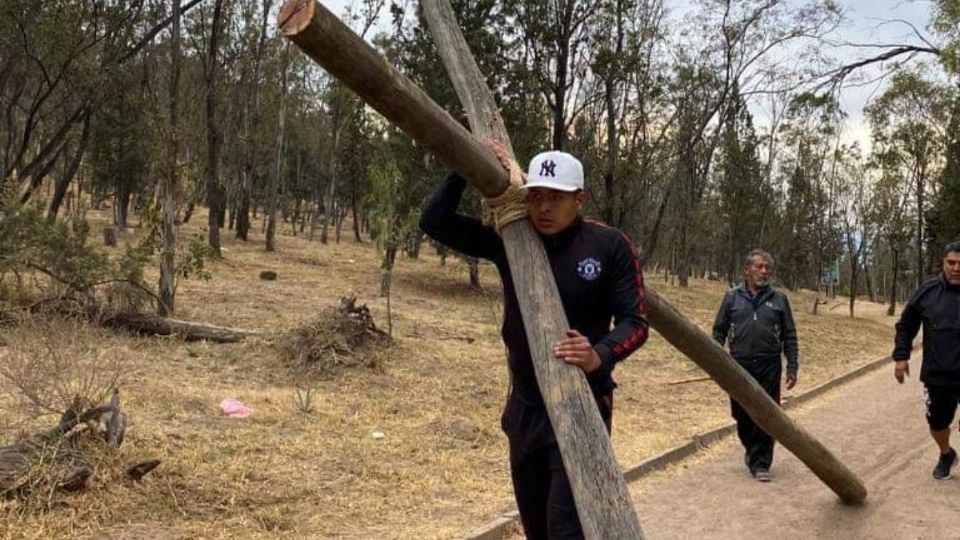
(756, 442)
(540, 482)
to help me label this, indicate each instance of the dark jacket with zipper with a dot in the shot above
(597, 273)
(936, 307)
(758, 327)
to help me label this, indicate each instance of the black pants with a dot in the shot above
(756, 442)
(540, 482)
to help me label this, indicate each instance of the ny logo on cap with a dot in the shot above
(548, 168)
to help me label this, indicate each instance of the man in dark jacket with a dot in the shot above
(936, 306)
(759, 324)
(599, 279)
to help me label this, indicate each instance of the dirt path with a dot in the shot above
(874, 425)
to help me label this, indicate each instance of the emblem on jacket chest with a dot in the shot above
(589, 269)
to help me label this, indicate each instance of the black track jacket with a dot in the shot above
(597, 273)
(935, 305)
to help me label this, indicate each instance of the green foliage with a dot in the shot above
(393, 213)
(53, 260)
(744, 203)
(53, 257)
(944, 219)
(946, 22)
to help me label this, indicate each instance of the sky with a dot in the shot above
(875, 21)
(866, 21)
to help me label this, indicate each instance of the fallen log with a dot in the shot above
(162, 326)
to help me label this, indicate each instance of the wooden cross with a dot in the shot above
(600, 492)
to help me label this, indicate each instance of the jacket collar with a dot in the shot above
(564, 237)
(765, 292)
(947, 284)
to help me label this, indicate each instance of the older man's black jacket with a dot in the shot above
(935, 306)
(597, 273)
(758, 327)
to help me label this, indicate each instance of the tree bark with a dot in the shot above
(613, 142)
(597, 482)
(166, 306)
(71, 171)
(275, 184)
(250, 126)
(892, 307)
(330, 197)
(473, 269)
(215, 193)
(354, 203)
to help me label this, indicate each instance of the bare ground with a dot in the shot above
(439, 471)
(874, 425)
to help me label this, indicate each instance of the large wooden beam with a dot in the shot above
(600, 490)
(702, 349)
(316, 31)
(597, 482)
(485, 121)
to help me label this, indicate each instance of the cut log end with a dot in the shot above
(295, 15)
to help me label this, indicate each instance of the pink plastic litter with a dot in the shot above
(234, 409)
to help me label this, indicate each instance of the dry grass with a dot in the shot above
(439, 470)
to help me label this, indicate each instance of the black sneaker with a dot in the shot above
(946, 461)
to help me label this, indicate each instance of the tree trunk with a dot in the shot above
(473, 266)
(921, 182)
(654, 239)
(892, 308)
(386, 269)
(613, 142)
(275, 185)
(341, 217)
(63, 185)
(215, 194)
(356, 217)
(251, 125)
(603, 502)
(168, 234)
(868, 279)
(854, 285)
(330, 197)
(121, 205)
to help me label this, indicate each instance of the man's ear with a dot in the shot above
(581, 198)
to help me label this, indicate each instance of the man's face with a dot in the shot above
(552, 210)
(758, 272)
(951, 267)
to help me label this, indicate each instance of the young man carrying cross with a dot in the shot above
(599, 279)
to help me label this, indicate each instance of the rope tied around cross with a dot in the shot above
(509, 206)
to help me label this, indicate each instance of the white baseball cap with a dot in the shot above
(555, 170)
